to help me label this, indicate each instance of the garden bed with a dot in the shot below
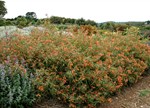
(80, 70)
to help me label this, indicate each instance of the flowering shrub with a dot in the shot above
(81, 70)
(88, 29)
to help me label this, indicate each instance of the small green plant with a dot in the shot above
(145, 92)
(16, 90)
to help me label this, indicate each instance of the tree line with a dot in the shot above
(31, 19)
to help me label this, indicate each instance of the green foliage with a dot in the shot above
(3, 9)
(2, 22)
(62, 20)
(31, 18)
(68, 21)
(146, 28)
(145, 33)
(81, 21)
(90, 22)
(137, 24)
(8, 23)
(31, 15)
(145, 92)
(108, 26)
(133, 30)
(112, 26)
(15, 86)
(39, 22)
(147, 22)
(62, 27)
(56, 20)
(21, 22)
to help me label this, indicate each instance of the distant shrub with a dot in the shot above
(62, 27)
(2, 22)
(133, 31)
(8, 23)
(114, 27)
(88, 29)
(21, 22)
(145, 33)
(146, 28)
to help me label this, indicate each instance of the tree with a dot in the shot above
(56, 20)
(2, 22)
(108, 25)
(39, 22)
(147, 22)
(80, 21)
(31, 15)
(3, 10)
(21, 22)
(90, 22)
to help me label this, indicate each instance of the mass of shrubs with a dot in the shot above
(82, 70)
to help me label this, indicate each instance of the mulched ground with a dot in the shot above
(137, 96)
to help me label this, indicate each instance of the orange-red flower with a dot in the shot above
(119, 79)
(41, 88)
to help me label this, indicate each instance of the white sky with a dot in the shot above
(97, 10)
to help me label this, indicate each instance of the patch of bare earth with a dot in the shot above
(51, 103)
(136, 96)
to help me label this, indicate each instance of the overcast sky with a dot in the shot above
(97, 10)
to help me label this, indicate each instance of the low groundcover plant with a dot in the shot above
(16, 89)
